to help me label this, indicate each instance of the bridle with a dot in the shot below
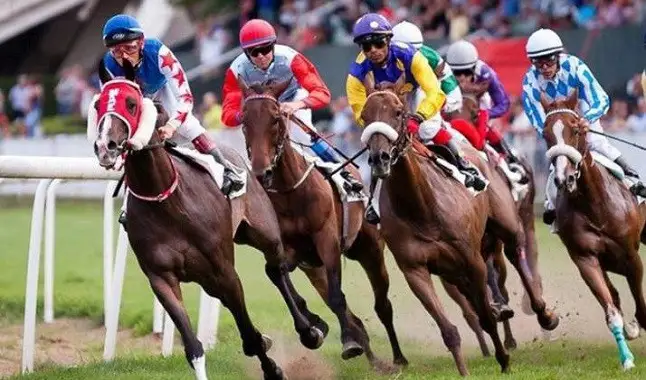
(404, 140)
(562, 149)
(279, 143)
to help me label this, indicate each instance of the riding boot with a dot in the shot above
(123, 220)
(231, 181)
(473, 177)
(371, 214)
(355, 185)
(501, 308)
(638, 188)
(326, 153)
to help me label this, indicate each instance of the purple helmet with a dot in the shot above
(371, 26)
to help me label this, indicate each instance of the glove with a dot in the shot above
(413, 123)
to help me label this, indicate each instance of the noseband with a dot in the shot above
(563, 149)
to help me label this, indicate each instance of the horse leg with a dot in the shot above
(371, 258)
(592, 274)
(420, 282)
(469, 315)
(476, 290)
(634, 275)
(225, 285)
(514, 248)
(499, 263)
(167, 289)
(277, 270)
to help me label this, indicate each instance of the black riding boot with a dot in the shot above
(123, 220)
(371, 214)
(231, 182)
(355, 185)
(638, 188)
(473, 177)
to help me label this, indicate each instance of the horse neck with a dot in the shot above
(149, 172)
(409, 189)
(290, 168)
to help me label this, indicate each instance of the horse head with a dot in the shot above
(384, 115)
(264, 128)
(126, 120)
(566, 139)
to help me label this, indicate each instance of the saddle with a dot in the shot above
(446, 161)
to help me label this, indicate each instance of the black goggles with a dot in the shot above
(367, 45)
(264, 50)
(544, 62)
(463, 72)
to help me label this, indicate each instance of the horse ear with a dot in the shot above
(369, 83)
(545, 102)
(104, 75)
(573, 99)
(128, 70)
(246, 91)
(399, 84)
(276, 89)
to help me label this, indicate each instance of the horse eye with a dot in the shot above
(131, 104)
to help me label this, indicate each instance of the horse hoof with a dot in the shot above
(267, 343)
(631, 330)
(628, 364)
(549, 321)
(321, 325)
(275, 374)
(401, 362)
(511, 344)
(312, 338)
(351, 350)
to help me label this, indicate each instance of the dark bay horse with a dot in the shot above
(434, 225)
(311, 218)
(182, 228)
(597, 218)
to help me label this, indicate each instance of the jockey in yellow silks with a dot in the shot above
(386, 61)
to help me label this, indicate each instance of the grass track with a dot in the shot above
(78, 293)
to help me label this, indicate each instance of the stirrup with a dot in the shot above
(123, 220)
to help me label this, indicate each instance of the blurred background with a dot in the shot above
(50, 49)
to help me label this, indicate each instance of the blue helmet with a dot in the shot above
(121, 28)
(371, 26)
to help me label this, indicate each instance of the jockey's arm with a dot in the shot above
(499, 97)
(425, 77)
(231, 100)
(532, 106)
(178, 84)
(356, 93)
(594, 94)
(308, 77)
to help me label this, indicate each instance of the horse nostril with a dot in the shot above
(268, 173)
(112, 145)
(384, 156)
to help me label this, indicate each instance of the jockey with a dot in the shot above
(387, 61)
(161, 77)
(462, 56)
(263, 60)
(557, 74)
(409, 33)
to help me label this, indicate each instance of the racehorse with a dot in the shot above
(434, 225)
(317, 228)
(182, 228)
(597, 218)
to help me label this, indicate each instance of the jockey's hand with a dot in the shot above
(584, 124)
(291, 107)
(166, 132)
(414, 120)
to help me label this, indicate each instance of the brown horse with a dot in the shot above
(434, 225)
(311, 218)
(182, 228)
(597, 218)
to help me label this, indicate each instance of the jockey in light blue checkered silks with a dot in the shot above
(557, 75)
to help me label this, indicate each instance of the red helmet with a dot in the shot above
(256, 32)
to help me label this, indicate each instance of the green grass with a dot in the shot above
(78, 293)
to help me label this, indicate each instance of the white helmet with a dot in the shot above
(409, 33)
(462, 55)
(543, 42)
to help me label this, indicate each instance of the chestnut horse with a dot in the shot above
(597, 218)
(434, 225)
(311, 217)
(182, 228)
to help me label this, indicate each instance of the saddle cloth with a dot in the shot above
(216, 171)
(337, 179)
